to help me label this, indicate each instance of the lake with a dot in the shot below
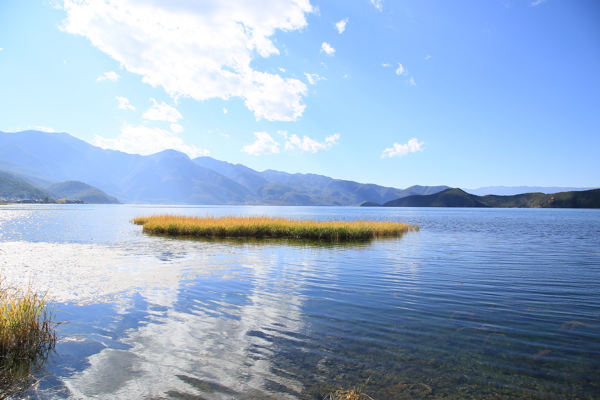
(479, 303)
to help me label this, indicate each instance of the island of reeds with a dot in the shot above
(267, 227)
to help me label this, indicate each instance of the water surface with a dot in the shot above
(480, 303)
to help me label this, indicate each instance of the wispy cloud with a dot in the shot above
(537, 2)
(198, 49)
(326, 47)
(225, 111)
(401, 70)
(386, 65)
(162, 112)
(378, 4)
(306, 144)
(411, 81)
(108, 76)
(341, 26)
(264, 144)
(145, 140)
(427, 57)
(313, 78)
(176, 128)
(124, 103)
(399, 150)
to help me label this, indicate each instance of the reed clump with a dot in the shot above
(267, 227)
(27, 337)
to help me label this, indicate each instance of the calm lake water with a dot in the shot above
(477, 304)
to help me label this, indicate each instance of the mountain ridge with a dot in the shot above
(459, 198)
(169, 176)
(17, 186)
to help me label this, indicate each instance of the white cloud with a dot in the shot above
(1, 49)
(313, 78)
(537, 2)
(124, 103)
(307, 144)
(341, 26)
(176, 128)
(264, 144)
(377, 4)
(386, 65)
(225, 111)
(282, 69)
(401, 70)
(399, 150)
(108, 76)
(411, 81)
(43, 128)
(325, 47)
(198, 49)
(144, 140)
(162, 112)
(427, 57)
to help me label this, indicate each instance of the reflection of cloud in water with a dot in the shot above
(199, 346)
(203, 353)
(221, 341)
(90, 273)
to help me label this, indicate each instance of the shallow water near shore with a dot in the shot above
(479, 303)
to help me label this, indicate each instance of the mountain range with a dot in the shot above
(59, 164)
(459, 198)
(42, 159)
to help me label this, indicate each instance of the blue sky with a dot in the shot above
(429, 92)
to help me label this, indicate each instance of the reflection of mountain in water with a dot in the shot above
(208, 343)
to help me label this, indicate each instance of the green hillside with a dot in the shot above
(14, 188)
(459, 198)
(76, 190)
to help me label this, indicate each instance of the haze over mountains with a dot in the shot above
(42, 160)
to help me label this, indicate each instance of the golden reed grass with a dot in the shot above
(267, 227)
(27, 337)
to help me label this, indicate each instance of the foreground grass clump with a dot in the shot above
(27, 337)
(261, 227)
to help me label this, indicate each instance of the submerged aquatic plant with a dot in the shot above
(262, 226)
(356, 393)
(27, 337)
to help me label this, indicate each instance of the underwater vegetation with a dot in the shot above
(356, 393)
(263, 227)
(27, 338)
